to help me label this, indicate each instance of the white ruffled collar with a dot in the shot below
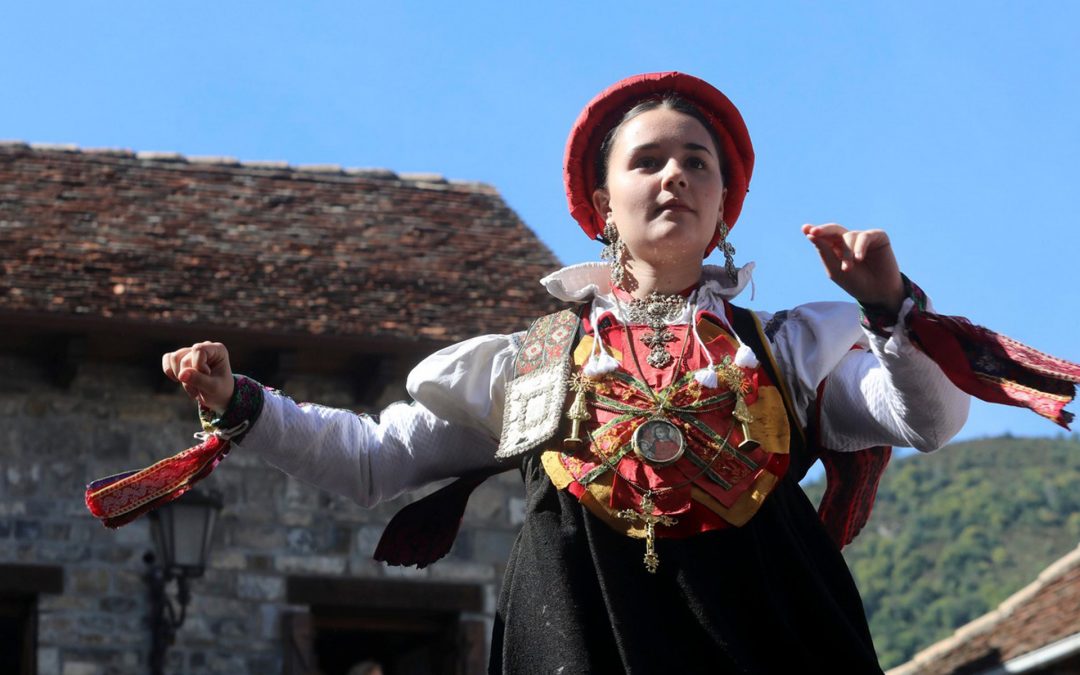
(585, 281)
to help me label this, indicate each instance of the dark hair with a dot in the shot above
(666, 102)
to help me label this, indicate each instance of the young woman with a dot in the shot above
(660, 430)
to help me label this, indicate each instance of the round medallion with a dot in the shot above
(658, 441)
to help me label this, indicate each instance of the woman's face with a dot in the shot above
(665, 190)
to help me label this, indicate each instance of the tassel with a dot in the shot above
(745, 357)
(706, 377)
(600, 364)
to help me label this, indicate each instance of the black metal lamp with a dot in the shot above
(182, 531)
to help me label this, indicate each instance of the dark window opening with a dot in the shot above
(384, 627)
(399, 643)
(17, 634)
(19, 589)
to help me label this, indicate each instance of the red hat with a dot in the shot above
(605, 111)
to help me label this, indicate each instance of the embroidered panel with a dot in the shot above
(547, 343)
(534, 398)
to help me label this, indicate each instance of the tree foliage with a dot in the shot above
(956, 532)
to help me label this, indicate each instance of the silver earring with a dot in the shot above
(728, 250)
(614, 252)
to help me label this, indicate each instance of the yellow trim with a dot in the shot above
(596, 497)
(585, 348)
(709, 330)
(560, 477)
(745, 506)
(782, 385)
(769, 428)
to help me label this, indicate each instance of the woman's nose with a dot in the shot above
(673, 175)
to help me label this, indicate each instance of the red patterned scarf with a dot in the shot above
(121, 498)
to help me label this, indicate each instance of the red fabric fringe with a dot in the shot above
(120, 499)
(996, 368)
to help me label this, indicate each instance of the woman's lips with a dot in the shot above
(674, 206)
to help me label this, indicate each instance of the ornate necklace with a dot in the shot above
(656, 311)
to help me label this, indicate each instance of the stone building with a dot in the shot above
(326, 283)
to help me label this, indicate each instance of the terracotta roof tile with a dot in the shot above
(1040, 614)
(158, 238)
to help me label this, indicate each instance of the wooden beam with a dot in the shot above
(272, 367)
(60, 356)
(384, 594)
(371, 374)
(31, 579)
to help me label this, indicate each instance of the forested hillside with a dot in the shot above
(955, 532)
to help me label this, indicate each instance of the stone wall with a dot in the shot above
(115, 416)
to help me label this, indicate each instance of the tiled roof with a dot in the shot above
(1044, 612)
(165, 240)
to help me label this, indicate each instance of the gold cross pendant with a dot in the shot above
(652, 560)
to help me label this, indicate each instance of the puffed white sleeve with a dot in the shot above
(867, 388)
(452, 427)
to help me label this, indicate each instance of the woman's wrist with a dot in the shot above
(241, 412)
(882, 318)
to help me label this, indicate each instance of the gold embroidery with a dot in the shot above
(767, 423)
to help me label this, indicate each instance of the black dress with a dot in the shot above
(772, 596)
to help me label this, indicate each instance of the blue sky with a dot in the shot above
(953, 125)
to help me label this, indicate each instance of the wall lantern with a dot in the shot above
(182, 531)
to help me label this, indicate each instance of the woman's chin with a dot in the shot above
(674, 245)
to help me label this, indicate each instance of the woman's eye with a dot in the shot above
(646, 163)
(696, 163)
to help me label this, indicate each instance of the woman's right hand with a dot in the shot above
(204, 372)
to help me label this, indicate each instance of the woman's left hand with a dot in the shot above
(861, 262)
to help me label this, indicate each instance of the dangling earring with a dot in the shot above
(728, 250)
(614, 252)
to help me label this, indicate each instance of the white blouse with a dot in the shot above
(885, 392)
